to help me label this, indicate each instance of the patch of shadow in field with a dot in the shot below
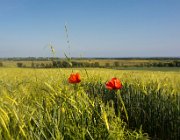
(153, 110)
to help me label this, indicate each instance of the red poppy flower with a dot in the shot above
(114, 83)
(74, 78)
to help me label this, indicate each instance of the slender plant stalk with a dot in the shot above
(122, 102)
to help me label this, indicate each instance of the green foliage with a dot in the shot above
(41, 104)
(19, 64)
(107, 65)
(1, 64)
(116, 64)
(153, 105)
(96, 64)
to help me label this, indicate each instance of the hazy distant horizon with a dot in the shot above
(26, 57)
(96, 28)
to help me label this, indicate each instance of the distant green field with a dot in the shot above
(41, 104)
(118, 63)
(151, 68)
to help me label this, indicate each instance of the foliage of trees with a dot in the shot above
(116, 64)
(77, 64)
(107, 64)
(1, 64)
(19, 64)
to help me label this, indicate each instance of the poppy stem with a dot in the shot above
(75, 87)
(122, 102)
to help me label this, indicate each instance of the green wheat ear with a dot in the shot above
(67, 39)
(68, 59)
(52, 49)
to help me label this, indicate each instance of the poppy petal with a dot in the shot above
(114, 83)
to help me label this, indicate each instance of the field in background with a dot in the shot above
(117, 63)
(41, 104)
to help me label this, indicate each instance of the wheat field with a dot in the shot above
(41, 104)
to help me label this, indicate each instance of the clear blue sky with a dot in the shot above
(97, 28)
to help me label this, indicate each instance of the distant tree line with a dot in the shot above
(1, 64)
(29, 58)
(58, 64)
(76, 64)
(88, 58)
(174, 63)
